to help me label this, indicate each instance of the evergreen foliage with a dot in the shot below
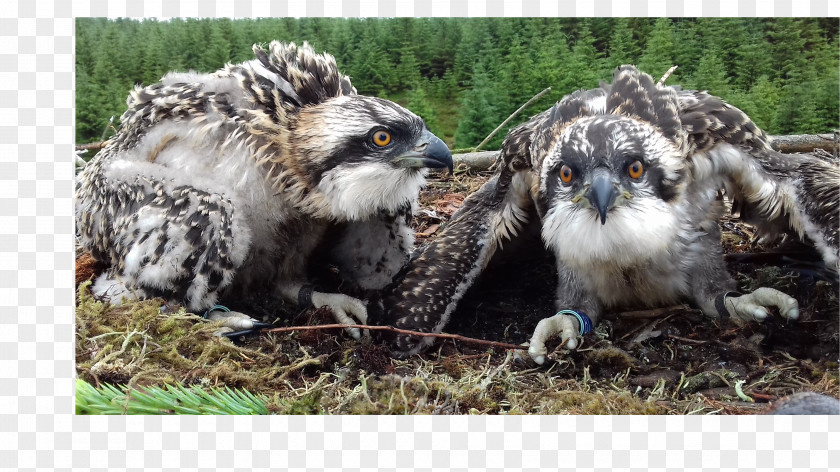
(466, 75)
(172, 399)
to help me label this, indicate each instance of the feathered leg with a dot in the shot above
(712, 289)
(420, 301)
(570, 295)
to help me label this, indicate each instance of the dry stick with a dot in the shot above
(105, 131)
(667, 74)
(97, 146)
(687, 340)
(456, 337)
(488, 138)
(654, 313)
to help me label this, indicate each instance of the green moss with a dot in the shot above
(708, 379)
(308, 404)
(596, 403)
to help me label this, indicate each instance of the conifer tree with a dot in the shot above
(420, 105)
(622, 46)
(478, 111)
(658, 55)
(782, 71)
(710, 75)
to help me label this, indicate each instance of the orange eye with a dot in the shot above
(635, 170)
(566, 174)
(381, 138)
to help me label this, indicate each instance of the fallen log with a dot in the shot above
(803, 142)
(476, 161)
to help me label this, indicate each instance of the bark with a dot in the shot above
(803, 142)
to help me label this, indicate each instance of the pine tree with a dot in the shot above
(217, 49)
(584, 67)
(371, 69)
(446, 88)
(688, 50)
(476, 44)
(517, 70)
(478, 111)
(788, 48)
(762, 103)
(408, 71)
(710, 75)
(658, 55)
(419, 104)
(154, 61)
(783, 71)
(552, 55)
(807, 119)
(751, 58)
(622, 48)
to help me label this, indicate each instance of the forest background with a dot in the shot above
(464, 76)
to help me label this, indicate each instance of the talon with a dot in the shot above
(560, 325)
(223, 331)
(537, 353)
(753, 306)
(344, 309)
(233, 319)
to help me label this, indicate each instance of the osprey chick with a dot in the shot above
(226, 182)
(624, 180)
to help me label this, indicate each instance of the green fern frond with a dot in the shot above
(177, 399)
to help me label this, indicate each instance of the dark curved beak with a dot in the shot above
(602, 193)
(429, 151)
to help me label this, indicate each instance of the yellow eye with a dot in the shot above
(566, 174)
(381, 138)
(635, 170)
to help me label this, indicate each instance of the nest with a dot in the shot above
(666, 361)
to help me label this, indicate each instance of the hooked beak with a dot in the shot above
(429, 151)
(602, 193)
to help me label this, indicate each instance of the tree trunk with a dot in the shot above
(803, 142)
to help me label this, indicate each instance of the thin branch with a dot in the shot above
(667, 74)
(687, 340)
(91, 146)
(105, 130)
(488, 138)
(456, 337)
(654, 313)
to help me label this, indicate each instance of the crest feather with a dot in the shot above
(306, 77)
(634, 94)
